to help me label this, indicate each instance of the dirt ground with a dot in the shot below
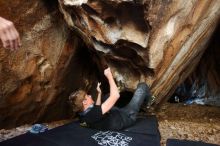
(191, 122)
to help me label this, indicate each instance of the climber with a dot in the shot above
(9, 35)
(104, 116)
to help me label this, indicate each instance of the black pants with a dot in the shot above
(130, 111)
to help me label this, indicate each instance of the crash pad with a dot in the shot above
(144, 133)
(177, 142)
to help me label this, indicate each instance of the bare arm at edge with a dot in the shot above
(9, 35)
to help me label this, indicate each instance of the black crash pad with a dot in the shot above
(144, 133)
(177, 142)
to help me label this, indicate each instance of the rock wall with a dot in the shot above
(203, 85)
(158, 42)
(30, 77)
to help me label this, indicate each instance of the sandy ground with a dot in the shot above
(191, 122)
(10, 133)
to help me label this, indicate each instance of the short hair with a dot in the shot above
(76, 99)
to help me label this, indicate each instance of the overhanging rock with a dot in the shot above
(157, 42)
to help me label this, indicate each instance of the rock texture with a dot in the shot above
(157, 42)
(202, 86)
(30, 77)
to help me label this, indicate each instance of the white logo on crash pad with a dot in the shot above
(110, 138)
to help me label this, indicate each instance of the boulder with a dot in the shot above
(67, 44)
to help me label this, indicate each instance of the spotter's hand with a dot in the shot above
(9, 35)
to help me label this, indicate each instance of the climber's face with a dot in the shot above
(88, 100)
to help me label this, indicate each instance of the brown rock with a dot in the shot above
(160, 44)
(29, 76)
(165, 39)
